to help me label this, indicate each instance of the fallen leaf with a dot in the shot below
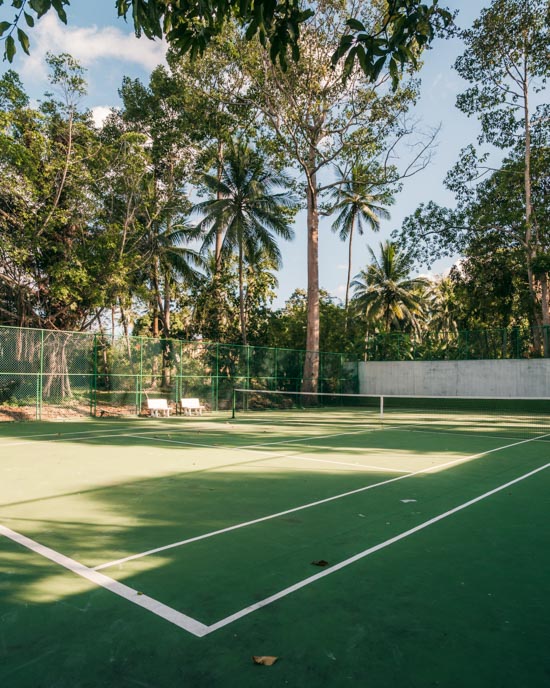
(140, 593)
(265, 660)
(321, 562)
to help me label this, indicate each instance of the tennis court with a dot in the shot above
(409, 548)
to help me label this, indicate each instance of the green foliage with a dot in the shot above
(386, 296)
(358, 202)
(287, 326)
(248, 211)
(500, 223)
(506, 58)
(407, 27)
(405, 30)
(39, 8)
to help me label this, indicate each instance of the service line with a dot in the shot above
(269, 517)
(371, 550)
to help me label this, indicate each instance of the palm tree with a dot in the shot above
(443, 307)
(169, 259)
(173, 259)
(357, 205)
(385, 291)
(245, 208)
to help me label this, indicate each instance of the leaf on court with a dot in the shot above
(265, 660)
(321, 562)
(140, 593)
(406, 501)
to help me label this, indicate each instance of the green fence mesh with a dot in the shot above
(47, 374)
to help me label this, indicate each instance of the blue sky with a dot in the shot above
(106, 47)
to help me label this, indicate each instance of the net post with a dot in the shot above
(233, 403)
(381, 407)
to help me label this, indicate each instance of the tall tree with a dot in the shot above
(357, 205)
(488, 230)
(507, 62)
(217, 119)
(248, 210)
(314, 118)
(54, 261)
(160, 112)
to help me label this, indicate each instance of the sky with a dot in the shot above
(106, 46)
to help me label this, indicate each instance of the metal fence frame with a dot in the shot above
(73, 373)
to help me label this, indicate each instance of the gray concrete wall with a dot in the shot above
(502, 378)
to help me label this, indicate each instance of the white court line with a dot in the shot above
(245, 524)
(239, 448)
(269, 456)
(466, 434)
(351, 560)
(196, 627)
(386, 469)
(323, 437)
(75, 432)
(87, 434)
(152, 605)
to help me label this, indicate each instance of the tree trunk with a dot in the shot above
(541, 311)
(219, 232)
(310, 381)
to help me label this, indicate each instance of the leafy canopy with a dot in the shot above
(407, 28)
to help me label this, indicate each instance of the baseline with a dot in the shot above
(173, 616)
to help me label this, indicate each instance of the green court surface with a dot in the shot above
(413, 552)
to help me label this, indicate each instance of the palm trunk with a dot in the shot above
(219, 232)
(349, 267)
(310, 382)
(349, 277)
(241, 294)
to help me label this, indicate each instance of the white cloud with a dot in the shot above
(100, 114)
(88, 45)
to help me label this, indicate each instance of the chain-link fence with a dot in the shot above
(513, 342)
(50, 374)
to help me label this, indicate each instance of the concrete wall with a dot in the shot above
(502, 378)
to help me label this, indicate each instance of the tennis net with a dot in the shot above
(514, 417)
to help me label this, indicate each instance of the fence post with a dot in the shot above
(93, 378)
(179, 378)
(40, 380)
(217, 378)
(248, 366)
(140, 378)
